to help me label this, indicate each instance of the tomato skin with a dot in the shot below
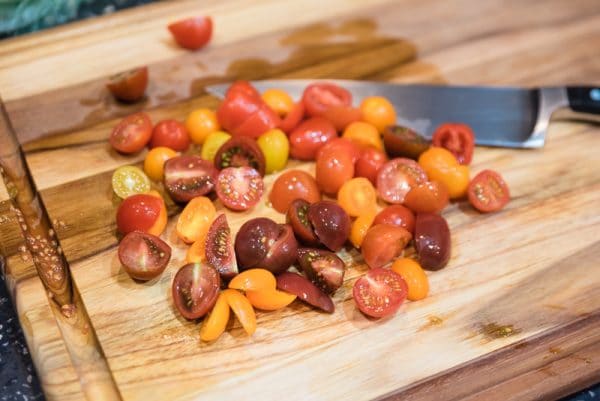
(200, 123)
(270, 299)
(432, 240)
(192, 33)
(333, 170)
(383, 243)
(363, 134)
(441, 165)
(357, 196)
(254, 280)
(331, 224)
(401, 141)
(246, 114)
(342, 116)
(360, 226)
(215, 324)
(129, 86)
(488, 191)
(319, 97)
(212, 144)
(293, 118)
(457, 138)
(154, 163)
(308, 137)
(244, 87)
(378, 111)
(415, 277)
(297, 218)
(278, 100)
(397, 177)
(138, 212)
(369, 163)
(291, 185)
(379, 293)
(132, 133)
(396, 215)
(341, 145)
(242, 309)
(429, 197)
(171, 134)
(276, 148)
(305, 291)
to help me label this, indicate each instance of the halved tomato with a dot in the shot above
(192, 33)
(239, 188)
(321, 96)
(143, 256)
(195, 290)
(397, 177)
(488, 191)
(219, 248)
(132, 133)
(129, 86)
(457, 138)
(241, 151)
(380, 292)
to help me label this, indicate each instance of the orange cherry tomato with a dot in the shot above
(378, 111)
(442, 166)
(363, 134)
(357, 196)
(428, 197)
(200, 123)
(270, 299)
(279, 101)
(195, 219)
(161, 222)
(292, 185)
(242, 308)
(254, 280)
(415, 277)
(360, 226)
(214, 325)
(154, 162)
(197, 251)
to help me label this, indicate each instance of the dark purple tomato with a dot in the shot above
(432, 240)
(297, 217)
(219, 248)
(323, 268)
(143, 256)
(195, 290)
(305, 291)
(331, 224)
(187, 177)
(240, 151)
(403, 142)
(261, 242)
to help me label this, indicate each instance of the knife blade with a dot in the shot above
(500, 116)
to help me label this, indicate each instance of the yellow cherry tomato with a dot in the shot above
(363, 134)
(129, 180)
(441, 165)
(215, 323)
(415, 277)
(242, 308)
(200, 123)
(270, 299)
(254, 280)
(278, 100)
(378, 111)
(212, 144)
(195, 219)
(360, 226)
(276, 147)
(155, 162)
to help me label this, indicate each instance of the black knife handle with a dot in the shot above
(584, 99)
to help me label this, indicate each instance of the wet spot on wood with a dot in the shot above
(554, 350)
(495, 331)
(432, 321)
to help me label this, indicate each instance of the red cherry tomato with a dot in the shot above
(239, 188)
(488, 192)
(342, 116)
(457, 138)
(244, 113)
(397, 177)
(291, 185)
(341, 145)
(263, 120)
(319, 97)
(383, 243)
(308, 137)
(192, 33)
(396, 215)
(129, 86)
(333, 169)
(243, 86)
(171, 134)
(369, 163)
(138, 212)
(380, 292)
(132, 133)
(429, 197)
(293, 118)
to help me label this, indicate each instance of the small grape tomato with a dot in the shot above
(379, 293)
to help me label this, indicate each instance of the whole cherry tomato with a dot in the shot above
(308, 137)
(457, 138)
(132, 133)
(319, 97)
(342, 116)
(154, 163)
(192, 33)
(200, 123)
(369, 163)
(333, 169)
(171, 134)
(129, 86)
(276, 149)
(441, 165)
(378, 111)
(357, 196)
(429, 197)
(396, 215)
(488, 192)
(279, 101)
(364, 135)
(291, 185)
(293, 118)
(140, 212)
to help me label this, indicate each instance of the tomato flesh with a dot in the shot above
(192, 33)
(457, 138)
(219, 248)
(239, 188)
(397, 177)
(488, 191)
(188, 176)
(195, 290)
(143, 256)
(379, 293)
(319, 97)
(241, 151)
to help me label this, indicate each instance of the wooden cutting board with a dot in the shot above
(515, 315)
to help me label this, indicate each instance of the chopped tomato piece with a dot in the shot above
(192, 33)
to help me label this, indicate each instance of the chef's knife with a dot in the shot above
(500, 116)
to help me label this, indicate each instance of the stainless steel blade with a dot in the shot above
(499, 116)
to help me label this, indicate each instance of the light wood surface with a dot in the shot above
(533, 266)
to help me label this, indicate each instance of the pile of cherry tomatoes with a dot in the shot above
(378, 187)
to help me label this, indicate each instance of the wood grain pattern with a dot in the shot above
(533, 266)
